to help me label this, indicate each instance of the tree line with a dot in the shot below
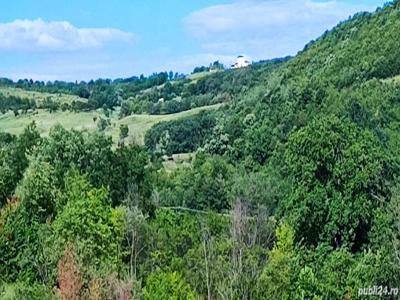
(293, 192)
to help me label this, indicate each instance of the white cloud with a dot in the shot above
(39, 35)
(265, 28)
(67, 67)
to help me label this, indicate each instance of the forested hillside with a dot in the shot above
(292, 191)
(158, 94)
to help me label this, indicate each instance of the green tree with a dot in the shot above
(14, 159)
(89, 223)
(37, 191)
(340, 181)
(103, 124)
(167, 286)
(205, 186)
(172, 236)
(123, 131)
(19, 244)
(275, 280)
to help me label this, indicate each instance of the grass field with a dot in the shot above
(138, 124)
(39, 96)
(197, 76)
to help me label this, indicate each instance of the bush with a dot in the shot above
(167, 286)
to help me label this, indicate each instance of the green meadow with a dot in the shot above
(39, 96)
(138, 124)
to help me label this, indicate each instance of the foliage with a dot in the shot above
(123, 131)
(87, 222)
(14, 159)
(167, 286)
(338, 172)
(275, 281)
(180, 136)
(21, 291)
(205, 186)
(37, 192)
(69, 276)
(173, 236)
(291, 194)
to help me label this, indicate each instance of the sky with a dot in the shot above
(88, 39)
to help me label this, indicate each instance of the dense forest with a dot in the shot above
(292, 192)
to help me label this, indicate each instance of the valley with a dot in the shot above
(276, 179)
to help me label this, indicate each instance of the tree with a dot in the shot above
(8, 179)
(217, 66)
(123, 131)
(244, 264)
(30, 138)
(338, 173)
(136, 232)
(21, 237)
(172, 236)
(275, 280)
(167, 286)
(37, 192)
(69, 276)
(203, 187)
(83, 92)
(14, 160)
(125, 109)
(131, 174)
(22, 290)
(89, 224)
(103, 95)
(395, 210)
(103, 124)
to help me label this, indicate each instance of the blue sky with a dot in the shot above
(80, 40)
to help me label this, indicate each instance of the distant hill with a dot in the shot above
(39, 97)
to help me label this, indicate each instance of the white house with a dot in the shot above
(241, 62)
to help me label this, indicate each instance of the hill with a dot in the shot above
(137, 124)
(39, 97)
(340, 74)
(320, 133)
(157, 94)
(290, 190)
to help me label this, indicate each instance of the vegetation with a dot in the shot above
(180, 136)
(291, 192)
(159, 94)
(138, 125)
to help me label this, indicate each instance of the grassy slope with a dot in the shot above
(197, 76)
(138, 124)
(38, 96)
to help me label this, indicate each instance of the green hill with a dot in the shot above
(324, 130)
(39, 97)
(339, 74)
(138, 124)
(290, 190)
